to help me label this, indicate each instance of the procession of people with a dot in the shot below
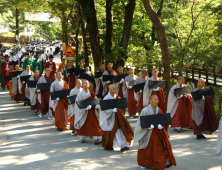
(95, 106)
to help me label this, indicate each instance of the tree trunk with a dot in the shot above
(77, 40)
(88, 8)
(17, 21)
(109, 27)
(83, 30)
(160, 29)
(128, 19)
(64, 23)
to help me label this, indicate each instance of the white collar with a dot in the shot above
(110, 96)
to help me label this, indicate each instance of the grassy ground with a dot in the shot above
(8, 44)
(8, 34)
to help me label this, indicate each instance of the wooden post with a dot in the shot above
(187, 72)
(220, 104)
(159, 74)
(192, 69)
(215, 77)
(172, 72)
(206, 68)
(220, 71)
(199, 73)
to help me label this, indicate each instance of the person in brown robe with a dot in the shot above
(17, 95)
(139, 95)
(119, 85)
(62, 64)
(99, 84)
(60, 106)
(180, 108)
(45, 94)
(106, 84)
(71, 77)
(23, 84)
(9, 83)
(153, 144)
(204, 117)
(161, 93)
(71, 108)
(37, 105)
(128, 93)
(86, 119)
(117, 132)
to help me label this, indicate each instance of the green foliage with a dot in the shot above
(36, 35)
(217, 96)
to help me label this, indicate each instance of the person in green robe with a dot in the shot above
(28, 61)
(37, 64)
(1, 61)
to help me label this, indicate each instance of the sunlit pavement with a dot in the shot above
(28, 142)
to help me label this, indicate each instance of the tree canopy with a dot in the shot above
(121, 30)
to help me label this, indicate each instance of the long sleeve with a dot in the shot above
(54, 67)
(46, 64)
(24, 64)
(40, 67)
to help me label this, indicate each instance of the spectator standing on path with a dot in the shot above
(16, 39)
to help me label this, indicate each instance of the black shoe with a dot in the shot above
(198, 137)
(82, 141)
(97, 142)
(36, 113)
(126, 148)
(202, 136)
(25, 103)
(60, 130)
(3, 87)
(122, 149)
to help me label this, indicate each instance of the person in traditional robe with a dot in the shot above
(51, 65)
(9, 83)
(161, 93)
(60, 106)
(35, 105)
(22, 85)
(119, 85)
(92, 85)
(44, 95)
(25, 55)
(62, 64)
(37, 65)
(153, 144)
(204, 117)
(139, 95)
(87, 119)
(4, 68)
(15, 58)
(219, 141)
(82, 61)
(1, 61)
(99, 84)
(71, 78)
(117, 132)
(71, 108)
(88, 71)
(128, 93)
(28, 61)
(180, 108)
(81, 67)
(15, 86)
(106, 84)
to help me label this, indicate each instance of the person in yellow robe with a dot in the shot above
(9, 83)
